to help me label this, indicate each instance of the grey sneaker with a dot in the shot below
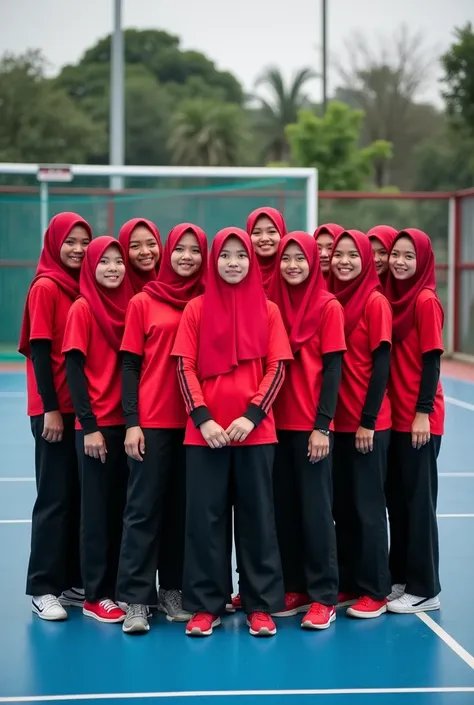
(72, 598)
(170, 602)
(136, 621)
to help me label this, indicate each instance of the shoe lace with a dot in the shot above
(137, 611)
(50, 601)
(108, 605)
(318, 608)
(260, 615)
(366, 601)
(203, 616)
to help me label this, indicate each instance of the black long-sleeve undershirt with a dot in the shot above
(41, 359)
(131, 368)
(332, 372)
(77, 384)
(429, 381)
(377, 385)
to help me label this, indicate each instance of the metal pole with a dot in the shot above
(325, 55)
(44, 196)
(117, 98)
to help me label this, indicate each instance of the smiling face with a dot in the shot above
(346, 263)
(186, 257)
(265, 237)
(294, 266)
(111, 268)
(233, 263)
(380, 256)
(325, 242)
(74, 247)
(143, 250)
(402, 260)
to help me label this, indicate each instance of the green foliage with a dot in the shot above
(331, 144)
(458, 65)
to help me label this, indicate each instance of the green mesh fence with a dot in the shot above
(210, 203)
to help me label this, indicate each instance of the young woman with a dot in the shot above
(417, 424)
(155, 418)
(303, 414)
(266, 226)
(362, 428)
(324, 236)
(91, 344)
(231, 367)
(54, 559)
(141, 243)
(381, 238)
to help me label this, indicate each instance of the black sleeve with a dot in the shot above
(377, 385)
(131, 368)
(77, 383)
(332, 371)
(41, 359)
(429, 381)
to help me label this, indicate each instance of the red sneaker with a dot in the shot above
(318, 617)
(104, 611)
(202, 624)
(294, 602)
(261, 624)
(346, 598)
(367, 608)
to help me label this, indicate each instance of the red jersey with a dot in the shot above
(228, 396)
(407, 365)
(150, 331)
(374, 328)
(102, 366)
(296, 406)
(48, 307)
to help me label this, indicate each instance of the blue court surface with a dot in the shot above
(393, 660)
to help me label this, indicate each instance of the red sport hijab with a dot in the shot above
(301, 305)
(169, 286)
(404, 294)
(139, 279)
(267, 264)
(332, 229)
(108, 306)
(234, 323)
(386, 235)
(353, 294)
(51, 267)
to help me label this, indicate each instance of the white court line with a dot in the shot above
(447, 638)
(458, 402)
(229, 693)
(15, 521)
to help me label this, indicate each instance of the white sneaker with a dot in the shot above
(410, 604)
(73, 598)
(397, 591)
(48, 607)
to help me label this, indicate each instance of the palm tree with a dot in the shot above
(282, 107)
(205, 133)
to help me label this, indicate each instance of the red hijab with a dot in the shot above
(386, 235)
(353, 295)
(108, 305)
(332, 229)
(301, 305)
(169, 286)
(267, 264)
(51, 267)
(404, 294)
(139, 279)
(234, 324)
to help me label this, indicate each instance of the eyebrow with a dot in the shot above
(239, 252)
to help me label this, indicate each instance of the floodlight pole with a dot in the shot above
(117, 98)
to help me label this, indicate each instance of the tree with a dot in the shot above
(204, 133)
(38, 121)
(331, 144)
(281, 108)
(385, 83)
(458, 65)
(445, 162)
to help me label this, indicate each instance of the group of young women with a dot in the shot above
(282, 390)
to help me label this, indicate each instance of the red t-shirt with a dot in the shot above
(374, 328)
(48, 307)
(228, 396)
(150, 330)
(407, 366)
(102, 366)
(296, 406)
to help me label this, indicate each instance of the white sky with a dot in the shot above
(242, 37)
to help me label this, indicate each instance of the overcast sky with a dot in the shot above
(243, 36)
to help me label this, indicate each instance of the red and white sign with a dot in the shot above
(55, 173)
